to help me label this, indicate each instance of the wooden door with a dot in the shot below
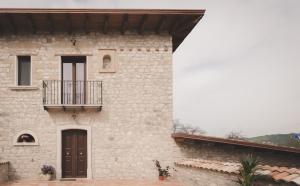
(74, 154)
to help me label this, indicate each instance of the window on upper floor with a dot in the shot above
(24, 70)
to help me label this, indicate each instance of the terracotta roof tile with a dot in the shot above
(264, 172)
(292, 170)
(277, 173)
(296, 180)
(283, 169)
(275, 168)
(281, 175)
(265, 167)
(274, 173)
(290, 177)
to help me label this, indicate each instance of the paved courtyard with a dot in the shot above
(93, 183)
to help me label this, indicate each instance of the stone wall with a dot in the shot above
(134, 125)
(233, 153)
(4, 171)
(188, 176)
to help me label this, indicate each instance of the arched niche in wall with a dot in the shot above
(25, 138)
(107, 60)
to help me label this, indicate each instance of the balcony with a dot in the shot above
(72, 95)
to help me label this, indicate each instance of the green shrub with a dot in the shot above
(246, 173)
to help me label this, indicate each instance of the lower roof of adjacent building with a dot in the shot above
(247, 144)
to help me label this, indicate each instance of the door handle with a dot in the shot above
(80, 153)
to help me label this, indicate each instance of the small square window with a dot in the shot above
(24, 70)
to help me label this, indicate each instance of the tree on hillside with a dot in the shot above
(235, 135)
(179, 127)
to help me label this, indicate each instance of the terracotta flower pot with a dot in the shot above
(46, 177)
(162, 178)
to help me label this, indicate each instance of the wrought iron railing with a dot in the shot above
(68, 92)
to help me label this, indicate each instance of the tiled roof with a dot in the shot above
(277, 173)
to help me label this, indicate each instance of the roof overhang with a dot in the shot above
(177, 23)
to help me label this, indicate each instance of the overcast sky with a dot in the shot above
(239, 69)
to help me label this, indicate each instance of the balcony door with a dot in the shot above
(73, 83)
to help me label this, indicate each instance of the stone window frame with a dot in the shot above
(112, 54)
(24, 87)
(21, 59)
(16, 143)
(17, 70)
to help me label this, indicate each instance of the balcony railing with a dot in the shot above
(72, 94)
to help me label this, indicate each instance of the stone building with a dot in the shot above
(88, 91)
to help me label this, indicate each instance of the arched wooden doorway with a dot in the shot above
(74, 153)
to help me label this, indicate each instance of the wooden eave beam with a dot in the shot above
(50, 23)
(32, 23)
(142, 23)
(176, 40)
(86, 23)
(11, 23)
(69, 23)
(189, 26)
(174, 24)
(180, 140)
(1, 25)
(160, 24)
(103, 11)
(124, 23)
(105, 27)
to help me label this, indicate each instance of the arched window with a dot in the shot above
(106, 62)
(25, 138)
(28, 138)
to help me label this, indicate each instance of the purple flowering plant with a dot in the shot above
(47, 169)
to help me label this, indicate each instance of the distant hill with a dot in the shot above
(277, 139)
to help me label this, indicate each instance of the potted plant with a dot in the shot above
(47, 172)
(162, 173)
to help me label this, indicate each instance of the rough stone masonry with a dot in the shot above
(134, 125)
